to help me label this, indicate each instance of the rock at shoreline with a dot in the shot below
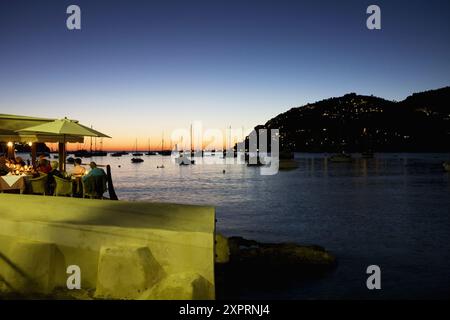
(264, 267)
(290, 254)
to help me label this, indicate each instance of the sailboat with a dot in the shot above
(116, 154)
(83, 153)
(367, 152)
(150, 153)
(93, 152)
(183, 160)
(341, 157)
(137, 154)
(162, 152)
(99, 153)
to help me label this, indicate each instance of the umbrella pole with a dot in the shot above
(64, 155)
(33, 154)
(11, 151)
(61, 155)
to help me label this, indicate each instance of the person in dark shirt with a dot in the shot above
(51, 183)
(55, 172)
(19, 161)
(4, 169)
(44, 166)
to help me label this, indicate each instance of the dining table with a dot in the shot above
(13, 182)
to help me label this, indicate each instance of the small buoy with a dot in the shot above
(119, 166)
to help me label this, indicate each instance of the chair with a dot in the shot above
(39, 184)
(94, 187)
(63, 187)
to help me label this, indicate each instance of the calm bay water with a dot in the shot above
(392, 211)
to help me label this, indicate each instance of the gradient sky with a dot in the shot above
(140, 67)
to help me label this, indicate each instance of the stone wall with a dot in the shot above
(124, 250)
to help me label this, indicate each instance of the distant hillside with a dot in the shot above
(433, 101)
(358, 123)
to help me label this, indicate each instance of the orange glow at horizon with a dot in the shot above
(129, 144)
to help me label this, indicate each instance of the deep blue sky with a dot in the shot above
(225, 63)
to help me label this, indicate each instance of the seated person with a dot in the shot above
(20, 162)
(94, 172)
(78, 169)
(55, 172)
(4, 169)
(94, 183)
(51, 183)
(38, 161)
(44, 166)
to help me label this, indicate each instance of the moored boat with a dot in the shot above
(367, 155)
(150, 153)
(288, 164)
(136, 153)
(184, 161)
(446, 166)
(341, 157)
(82, 154)
(99, 153)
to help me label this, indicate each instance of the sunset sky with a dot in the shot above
(140, 67)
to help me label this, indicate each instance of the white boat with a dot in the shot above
(446, 166)
(182, 160)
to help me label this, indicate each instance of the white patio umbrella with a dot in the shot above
(63, 127)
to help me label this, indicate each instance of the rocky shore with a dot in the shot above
(263, 267)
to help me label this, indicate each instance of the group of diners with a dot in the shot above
(76, 174)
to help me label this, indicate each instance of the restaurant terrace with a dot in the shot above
(27, 177)
(120, 249)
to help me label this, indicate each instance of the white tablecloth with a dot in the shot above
(10, 179)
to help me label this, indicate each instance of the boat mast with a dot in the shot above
(90, 148)
(192, 151)
(229, 141)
